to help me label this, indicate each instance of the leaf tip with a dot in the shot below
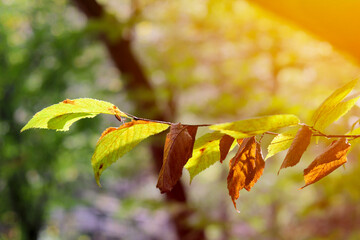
(98, 183)
(191, 179)
(97, 178)
(234, 202)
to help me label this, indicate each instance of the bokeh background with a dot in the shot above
(186, 61)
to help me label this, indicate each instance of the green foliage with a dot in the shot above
(333, 107)
(255, 126)
(206, 152)
(334, 114)
(115, 142)
(182, 150)
(261, 68)
(281, 142)
(60, 116)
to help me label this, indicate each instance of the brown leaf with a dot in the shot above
(245, 168)
(257, 169)
(297, 148)
(225, 143)
(332, 158)
(242, 143)
(178, 149)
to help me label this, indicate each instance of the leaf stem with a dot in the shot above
(316, 134)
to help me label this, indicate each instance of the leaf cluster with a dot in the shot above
(183, 150)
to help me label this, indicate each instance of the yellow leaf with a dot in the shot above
(60, 116)
(251, 127)
(115, 142)
(281, 142)
(333, 108)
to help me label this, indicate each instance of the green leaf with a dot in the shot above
(115, 142)
(60, 116)
(328, 106)
(281, 142)
(206, 152)
(338, 111)
(63, 122)
(251, 127)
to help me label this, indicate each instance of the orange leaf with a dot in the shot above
(225, 144)
(258, 165)
(297, 148)
(332, 158)
(245, 168)
(178, 149)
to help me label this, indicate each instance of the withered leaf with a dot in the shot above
(178, 149)
(242, 143)
(225, 144)
(332, 158)
(297, 148)
(245, 168)
(257, 168)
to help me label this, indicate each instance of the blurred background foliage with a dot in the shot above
(215, 61)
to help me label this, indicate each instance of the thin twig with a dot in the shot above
(320, 134)
(159, 121)
(317, 134)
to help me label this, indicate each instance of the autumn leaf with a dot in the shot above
(281, 142)
(297, 148)
(178, 149)
(225, 144)
(332, 158)
(334, 107)
(258, 169)
(115, 142)
(245, 168)
(60, 116)
(251, 127)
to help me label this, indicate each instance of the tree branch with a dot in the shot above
(142, 95)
